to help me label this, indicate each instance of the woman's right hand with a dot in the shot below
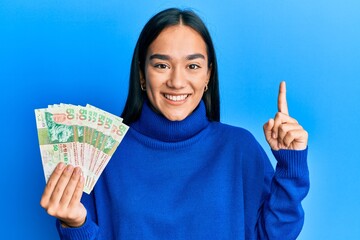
(62, 194)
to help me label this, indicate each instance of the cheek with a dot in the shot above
(153, 86)
(203, 80)
(154, 80)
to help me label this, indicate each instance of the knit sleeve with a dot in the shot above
(88, 231)
(282, 213)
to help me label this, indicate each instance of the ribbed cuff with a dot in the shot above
(87, 231)
(291, 163)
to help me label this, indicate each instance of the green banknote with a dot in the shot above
(84, 136)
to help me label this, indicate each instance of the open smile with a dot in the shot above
(176, 98)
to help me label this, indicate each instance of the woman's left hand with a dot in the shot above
(284, 132)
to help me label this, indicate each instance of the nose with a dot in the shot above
(177, 78)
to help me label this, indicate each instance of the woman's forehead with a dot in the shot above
(178, 41)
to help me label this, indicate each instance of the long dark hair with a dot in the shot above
(167, 18)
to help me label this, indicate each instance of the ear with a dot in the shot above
(209, 73)
(142, 79)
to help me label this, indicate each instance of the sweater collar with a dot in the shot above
(156, 126)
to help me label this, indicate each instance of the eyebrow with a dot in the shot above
(167, 57)
(160, 56)
(195, 56)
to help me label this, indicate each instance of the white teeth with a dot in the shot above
(175, 98)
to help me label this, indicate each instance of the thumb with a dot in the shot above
(268, 126)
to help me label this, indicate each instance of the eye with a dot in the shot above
(193, 66)
(161, 66)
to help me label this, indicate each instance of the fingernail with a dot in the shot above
(77, 171)
(274, 135)
(69, 168)
(61, 166)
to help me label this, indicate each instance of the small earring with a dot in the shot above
(143, 87)
(206, 88)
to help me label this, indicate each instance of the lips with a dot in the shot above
(176, 98)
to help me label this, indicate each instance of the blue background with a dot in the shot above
(79, 52)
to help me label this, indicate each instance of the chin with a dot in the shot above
(179, 117)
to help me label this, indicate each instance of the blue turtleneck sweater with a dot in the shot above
(194, 179)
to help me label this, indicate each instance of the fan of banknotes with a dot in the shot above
(83, 136)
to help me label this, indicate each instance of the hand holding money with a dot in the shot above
(84, 137)
(76, 143)
(62, 194)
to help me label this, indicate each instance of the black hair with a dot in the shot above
(163, 19)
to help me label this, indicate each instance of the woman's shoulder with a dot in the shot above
(239, 138)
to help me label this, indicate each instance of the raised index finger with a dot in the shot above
(282, 103)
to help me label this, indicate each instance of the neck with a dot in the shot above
(155, 125)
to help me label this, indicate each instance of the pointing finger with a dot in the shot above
(282, 103)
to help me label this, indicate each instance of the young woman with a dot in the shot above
(179, 173)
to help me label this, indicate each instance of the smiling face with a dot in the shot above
(176, 72)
